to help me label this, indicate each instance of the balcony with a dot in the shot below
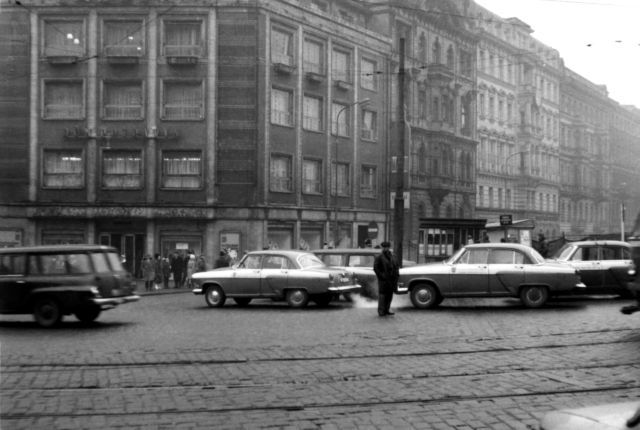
(182, 55)
(126, 54)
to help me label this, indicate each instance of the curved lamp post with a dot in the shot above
(335, 170)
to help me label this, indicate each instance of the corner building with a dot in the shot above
(156, 126)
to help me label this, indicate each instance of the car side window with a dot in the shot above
(12, 264)
(614, 253)
(251, 262)
(502, 256)
(474, 256)
(100, 262)
(361, 261)
(79, 264)
(586, 253)
(332, 259)
(274, 262)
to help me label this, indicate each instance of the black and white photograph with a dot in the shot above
(320, 214)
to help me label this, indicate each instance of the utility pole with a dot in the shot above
(398, 219)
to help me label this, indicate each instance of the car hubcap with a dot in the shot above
(534, 295)
(214, 296)
(424, 296)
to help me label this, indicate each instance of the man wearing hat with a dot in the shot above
(387, 271)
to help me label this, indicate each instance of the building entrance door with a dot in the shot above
(130, 245)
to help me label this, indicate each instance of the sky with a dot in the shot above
(598, 39)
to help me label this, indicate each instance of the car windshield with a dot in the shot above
(564, 252)
(310, 260)
(455, 256)
(536, 257)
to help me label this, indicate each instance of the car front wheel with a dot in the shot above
(88, 314)
(214, 296)
(297, 298)
(47, 312)
(534, 296)
(425, 296)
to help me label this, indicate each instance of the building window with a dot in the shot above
(450, 57)
(369, 129)
(368, 74)
(183, 38)
(311, 176)
(436, 52)
(313, 57)
(63, 100)
(312, 113)
(281, 107)
(122, 100)
(368, 179)
(63, 169)
(64, 38)
(340, 115)
(183, 100)
(123, 38)
(340, 179)
(181, 169)
(281, 47)
(341, 66)
(122, 169)
(281, 174)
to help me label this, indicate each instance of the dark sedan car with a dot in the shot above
(489, 270)
(605, 266)
(294, 276)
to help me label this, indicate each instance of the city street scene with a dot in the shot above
(319, 214)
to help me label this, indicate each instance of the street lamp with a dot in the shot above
(335, 170)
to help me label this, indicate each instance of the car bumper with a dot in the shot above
(112, 302)
(197, 290)
(345, 288)
(580, 286)
(401, 288)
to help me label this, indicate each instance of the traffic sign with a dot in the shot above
(506, 219)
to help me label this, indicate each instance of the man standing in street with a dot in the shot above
(387, 271)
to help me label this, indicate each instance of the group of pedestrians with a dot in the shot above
(179, 266)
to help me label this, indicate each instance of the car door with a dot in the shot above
(275, 275)
(245, 280)
(14, 289)
(506, 270)
(586, 259)
(469, 274)
(615, 261)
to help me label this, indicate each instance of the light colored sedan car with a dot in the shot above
(615, 416)
(489, 270)
(294, 276)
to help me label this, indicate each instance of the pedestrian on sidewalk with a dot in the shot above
(166, 272)
(148, 272)
(387, 271)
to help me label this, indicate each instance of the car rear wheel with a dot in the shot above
(425, 296)
(47, 312)
(297, 298)
(534, 296)
(214, 296)
(242, 301)
(88, 314)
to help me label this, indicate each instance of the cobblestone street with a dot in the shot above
(477, 371)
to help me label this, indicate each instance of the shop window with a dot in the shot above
(182, 169)
(122, 170)
(63, 169)
(280, 238)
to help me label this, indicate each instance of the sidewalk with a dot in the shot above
(141, 291)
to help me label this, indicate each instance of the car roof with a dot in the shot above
(288, 252)
(348, 251)
(598, 242)
(57, 248)
(499, 245)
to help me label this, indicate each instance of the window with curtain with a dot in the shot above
(280, 174)
(183, 100)
(122, 169)
(64, 37)
(281, 47)
(312, 113)
(369, 125)
(341, 66)
(311, 176)
(182, 169)
(368, 74)
(182, 37)
(122, 100)
(340, 179)
(123, 37)
(313, 56)
(63, 100)
(368, 181)
(63, 169)
(281, 107)
(340, 115)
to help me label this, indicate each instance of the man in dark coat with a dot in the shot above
(387, 271)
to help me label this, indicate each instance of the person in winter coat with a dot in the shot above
(166, 272)
(177, 267)
(191, 268)
(148, 272)
(222, 260)
(387, 271)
